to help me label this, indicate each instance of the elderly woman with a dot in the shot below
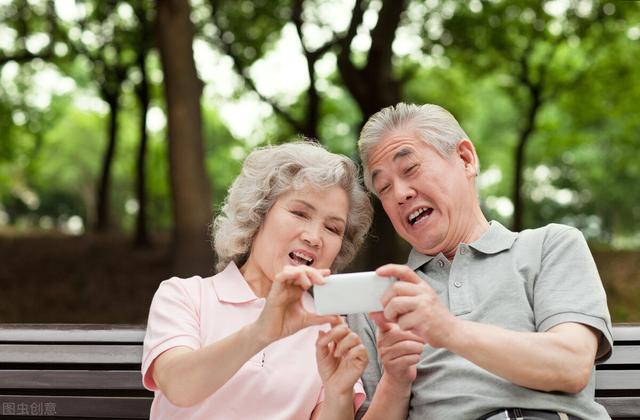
(246, 342)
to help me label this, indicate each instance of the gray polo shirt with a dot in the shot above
(527, 281)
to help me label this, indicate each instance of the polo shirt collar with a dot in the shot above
(417, 259)
(231, 287)
(496, 239)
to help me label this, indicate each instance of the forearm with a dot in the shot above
(188, 377)
(338, 407)
(558, 360)
(390, 401)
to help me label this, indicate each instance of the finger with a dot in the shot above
(398, 306)
(403, 288)
(410, 320)
(335, 334)
(402, 348)
(316, 276)
(397, 335)
(404, 360)
(291, 275)
(346, 343)
(358, 352)
(400, 272)
(322, 351)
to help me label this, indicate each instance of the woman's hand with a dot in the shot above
(341, 358)
(283, 313)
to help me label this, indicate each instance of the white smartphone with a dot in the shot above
(351, 293)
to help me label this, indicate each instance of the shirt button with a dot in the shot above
(463, 251)
(457, 284)
(440, 263)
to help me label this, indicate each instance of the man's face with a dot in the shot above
(427, 197)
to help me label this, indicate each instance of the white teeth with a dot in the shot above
(302, 256)
(415, 214)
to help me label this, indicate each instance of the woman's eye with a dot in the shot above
(335, 230)
(299, 213)
(385, 188)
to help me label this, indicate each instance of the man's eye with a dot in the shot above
(410, 169)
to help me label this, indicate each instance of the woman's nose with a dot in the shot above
(311, 236)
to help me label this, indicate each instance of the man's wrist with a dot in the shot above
(393, 387)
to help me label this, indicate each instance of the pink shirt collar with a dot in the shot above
(231, 287)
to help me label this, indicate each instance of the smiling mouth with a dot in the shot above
(300, 258)
(419, 215)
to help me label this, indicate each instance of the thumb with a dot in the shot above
(315, 319)
(381, 321)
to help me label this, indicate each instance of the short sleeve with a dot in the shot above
(173, 322)
(362, 325)
(568, 287)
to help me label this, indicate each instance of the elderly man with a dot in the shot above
(484, 323)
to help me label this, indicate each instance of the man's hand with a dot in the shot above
(415, 306)
(399, 350)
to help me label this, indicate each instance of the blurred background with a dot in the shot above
(122, 124)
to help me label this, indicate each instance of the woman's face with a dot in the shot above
(302, 227)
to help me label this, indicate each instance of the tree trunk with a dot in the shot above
(103, 199)
(142, 92)
(191, 194)
(313, 101)
(373, 88)
(520, 159)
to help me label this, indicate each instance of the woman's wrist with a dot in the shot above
(256, 333)
(338, 397)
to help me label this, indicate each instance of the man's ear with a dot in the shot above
(467, 154)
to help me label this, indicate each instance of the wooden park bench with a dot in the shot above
(93, 371)
(72, 371)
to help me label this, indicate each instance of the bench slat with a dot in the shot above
(617, 379)
(626, 332)
(621, 407)
(60, 353)
(82, 407)
(61, 333)
(71, 379)
(624, 355)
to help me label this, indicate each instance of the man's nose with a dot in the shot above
(404, 192)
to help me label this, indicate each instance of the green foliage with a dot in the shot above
(480, 60)
(223, 155)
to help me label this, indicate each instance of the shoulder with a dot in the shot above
(553, 233)
(177, 288)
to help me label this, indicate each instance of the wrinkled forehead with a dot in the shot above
(389, 150)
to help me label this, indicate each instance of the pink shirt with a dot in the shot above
(281, 382)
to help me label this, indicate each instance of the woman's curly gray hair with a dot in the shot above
(270, 171)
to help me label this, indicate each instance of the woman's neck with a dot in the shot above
(256, 278)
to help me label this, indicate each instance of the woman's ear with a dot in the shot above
(467, 154)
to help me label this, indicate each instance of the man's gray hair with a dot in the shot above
(432, 124)
(270, 171)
